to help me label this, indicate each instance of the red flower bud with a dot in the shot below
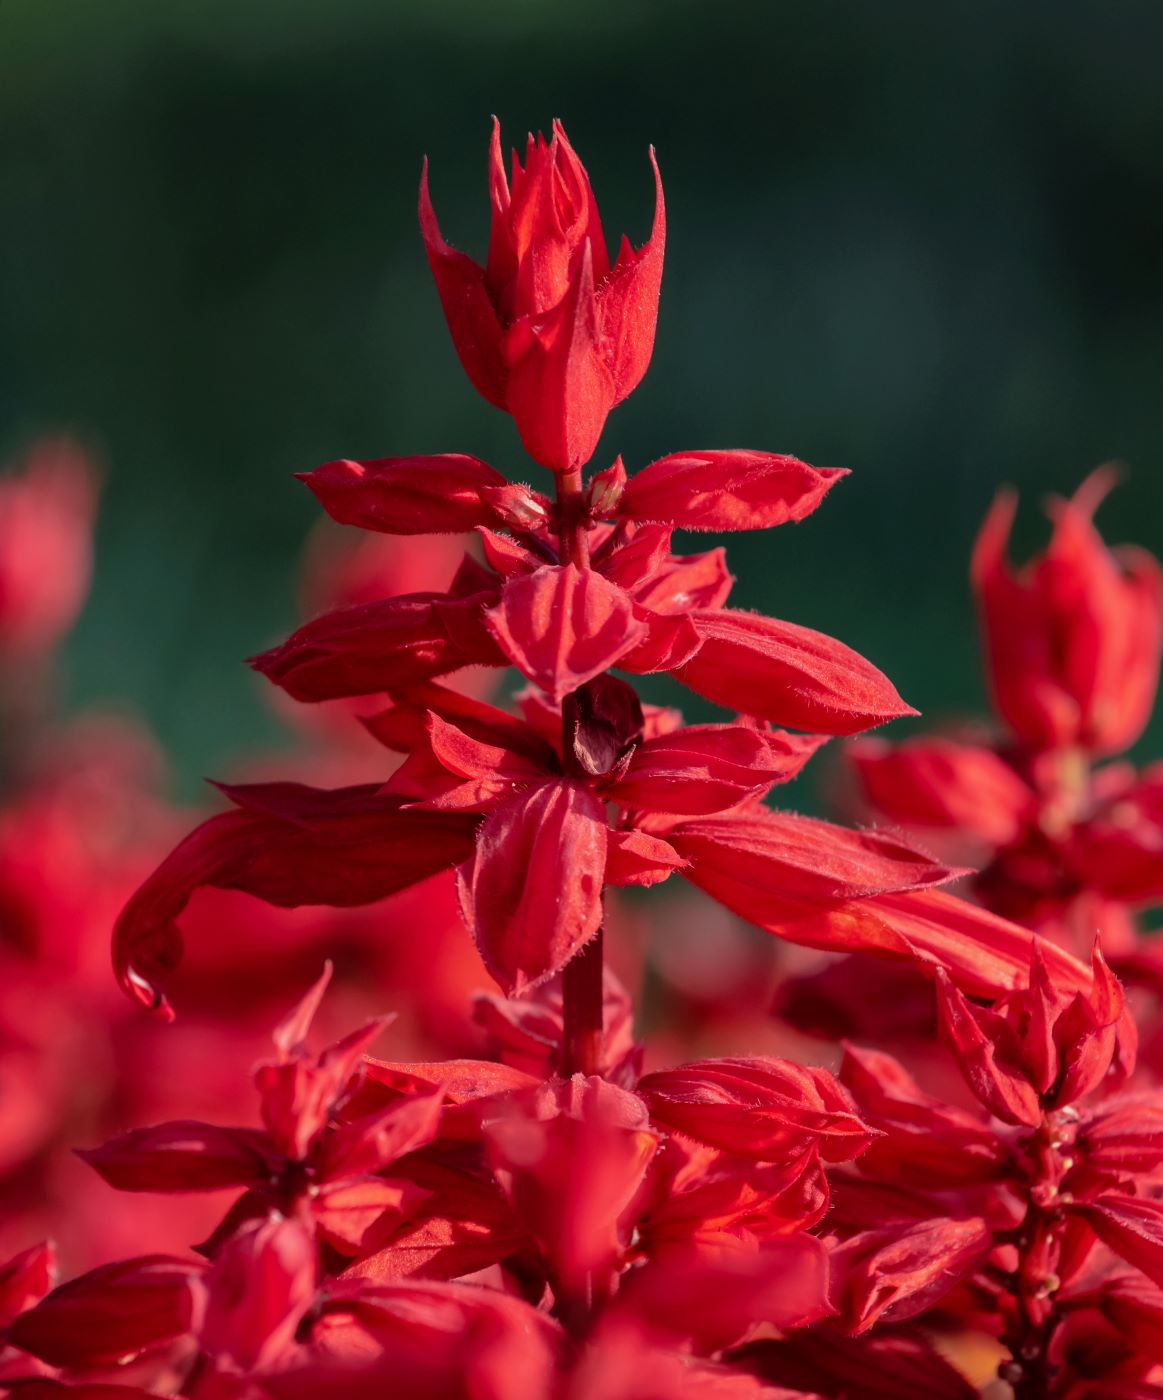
(548, 330)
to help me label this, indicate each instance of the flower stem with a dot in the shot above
(582, 976)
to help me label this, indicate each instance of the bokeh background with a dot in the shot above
(921, 241)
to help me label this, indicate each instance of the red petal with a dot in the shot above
(984, 954)
(260, 1288)
(898, 1274)
(25, 1279)
(532, 894)
(560, 385)
(634, 858)
(709, 768)
(627, 302)
(184, 1156)
(710, 1301)
(685, 582)
(375, 1140)
(572, 1158)
(347, 1212)
(347, 847)
(774, 868)
(444, 494)
(940, 783)
(733, 490)
(468, 309)
(787, 674)
(975, 1038)
(113, 1312)
(1133, 1228)
(376, 647)
(563, 625)
(668, 642)
(760, 1107)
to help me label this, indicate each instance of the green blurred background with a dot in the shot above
(921, 241)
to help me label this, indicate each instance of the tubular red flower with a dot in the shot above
(449, 493)
(376, 647)
(726, 490)
(787, 674)
(774, 868)
(758, 1107)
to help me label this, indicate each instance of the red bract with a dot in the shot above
(548, 330)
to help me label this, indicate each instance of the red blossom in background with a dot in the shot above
(1073, 644)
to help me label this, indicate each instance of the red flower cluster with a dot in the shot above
(1073, 647)
(543, 1220)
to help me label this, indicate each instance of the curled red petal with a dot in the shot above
(113, 1312)
(896, 1274)
(709, 768)
(259, 1289)
(984, 954)
(1133, 1227)
(978, 1043)
(637, 858)
(560, 386)
(349, 847)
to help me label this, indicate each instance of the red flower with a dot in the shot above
(548, 330)
(1073, 640)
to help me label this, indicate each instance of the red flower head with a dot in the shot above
(1074, 639)
(548, 330)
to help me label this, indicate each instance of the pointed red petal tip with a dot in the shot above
(1092, 490)
(290, 1035)
(990, 550)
